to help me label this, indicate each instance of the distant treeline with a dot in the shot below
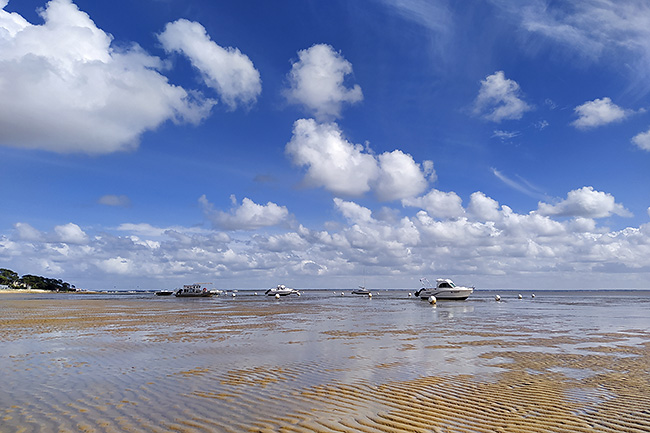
(13, 280)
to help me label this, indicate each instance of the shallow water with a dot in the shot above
(561, 361)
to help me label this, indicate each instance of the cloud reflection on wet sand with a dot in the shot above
(142, 365)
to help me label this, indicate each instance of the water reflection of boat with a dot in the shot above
(445, 289)
(282, 290)
(193, 291)
(164, 292)
(361, 291)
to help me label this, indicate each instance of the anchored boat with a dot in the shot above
(282, 290)
(444, 289)
(361, 291)
(193, 291)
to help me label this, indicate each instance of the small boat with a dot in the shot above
(445, 289)
(282, 290)
(361, 291)
(164, 292)
(193, 291)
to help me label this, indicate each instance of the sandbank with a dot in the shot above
(219, 365)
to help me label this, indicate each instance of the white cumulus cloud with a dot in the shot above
(353, 212)
(248, 216)
(490, 242)
(70, 233)
(400, 176)
(317, 82)
(597, 113)
(642, 140)
(483, 207)
(439, 204)
(26, 232)
(585, 202)
(226, 70)
(66, 88)
(499, 99)
(333, 162)
(350, 169)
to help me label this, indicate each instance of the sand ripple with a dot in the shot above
(142, 366)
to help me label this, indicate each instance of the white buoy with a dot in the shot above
(342, 293)
(533, 295)
(277, 296)
(410, 294)
(497, 298)
(370, 295)
(234, 294)
(255, 293)
(298, 293)
(432, 300)
(519, 296)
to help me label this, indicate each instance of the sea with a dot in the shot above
(325, 361)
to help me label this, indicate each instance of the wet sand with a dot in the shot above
(320, 364)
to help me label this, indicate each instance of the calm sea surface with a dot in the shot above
(139, 362)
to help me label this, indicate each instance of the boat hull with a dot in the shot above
(272, 292)
(281, 290)
(194, 295)
(451, 294)
(361, 292)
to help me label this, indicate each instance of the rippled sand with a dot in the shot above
(256, 364)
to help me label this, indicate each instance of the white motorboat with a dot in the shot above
(193, 291)
(444, 289)
(282, 290)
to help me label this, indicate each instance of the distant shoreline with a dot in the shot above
(41, 291)
(25, 291)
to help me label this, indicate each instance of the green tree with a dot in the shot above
(8, 277)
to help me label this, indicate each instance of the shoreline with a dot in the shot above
(26, 291)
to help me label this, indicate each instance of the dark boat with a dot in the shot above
(361, 291)
(164, 293)
(193, 291)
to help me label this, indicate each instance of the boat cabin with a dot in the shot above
(445, 283)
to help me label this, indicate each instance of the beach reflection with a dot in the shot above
(321, 362)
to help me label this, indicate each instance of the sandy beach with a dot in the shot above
(14, 291)
(323, 363)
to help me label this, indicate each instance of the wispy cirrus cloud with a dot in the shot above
(431, 14)
(521, 185)
(505, 135)
(592, 30)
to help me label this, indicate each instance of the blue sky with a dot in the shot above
(148, 144)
